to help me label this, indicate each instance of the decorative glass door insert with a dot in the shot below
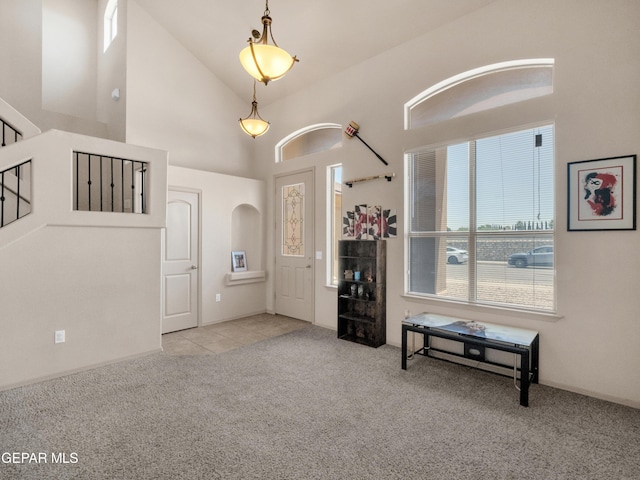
(293, 220)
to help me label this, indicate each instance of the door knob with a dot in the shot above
(308, 266)
(194, 267)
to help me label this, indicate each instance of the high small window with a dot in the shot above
(481, 221)
(311, 139)
(480, 89)
(110, 23)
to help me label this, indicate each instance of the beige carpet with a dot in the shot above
(306, 405)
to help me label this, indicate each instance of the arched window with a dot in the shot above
(110, 23)
(481, 206)
(307, 140)
(480, 89)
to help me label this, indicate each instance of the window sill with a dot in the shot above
(443, 306)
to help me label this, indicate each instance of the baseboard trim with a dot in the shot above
(589, 393)
(235, 317)
(92, 366)
(560, 386)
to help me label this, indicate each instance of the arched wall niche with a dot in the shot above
(246, 236)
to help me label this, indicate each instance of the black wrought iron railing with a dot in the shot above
(109, 184)
(15, 193)
(9, 134)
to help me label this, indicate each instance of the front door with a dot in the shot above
(180, 262)
(294, 245)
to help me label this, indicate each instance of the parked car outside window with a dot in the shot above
(455, 255)
(538, 256)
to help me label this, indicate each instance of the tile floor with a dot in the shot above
(224, 336)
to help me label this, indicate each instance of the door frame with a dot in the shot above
(276, 246)
(198, 193)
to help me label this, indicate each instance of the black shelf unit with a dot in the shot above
(362, 303)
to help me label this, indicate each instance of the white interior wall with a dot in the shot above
(220, 196)
(94, 275)
(590, 345)
(107, 304)
(20, 86)
(112, 73)
(69, 63)
(176, 104)
(17, 242)
(21, 34)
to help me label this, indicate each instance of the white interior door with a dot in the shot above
(294, 245)
(180, 263)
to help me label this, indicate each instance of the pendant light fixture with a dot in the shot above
(254, 125)
(262, 61)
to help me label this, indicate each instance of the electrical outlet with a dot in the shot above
(218, 297)
(59, 338)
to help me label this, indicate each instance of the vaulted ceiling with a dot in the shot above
(326, 35)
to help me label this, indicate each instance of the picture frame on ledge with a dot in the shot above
(239, 261)
(602, 194)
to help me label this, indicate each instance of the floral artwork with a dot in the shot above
(348, 226)
(360, 223)
(371, 222)
(389, 223)
(374, 220)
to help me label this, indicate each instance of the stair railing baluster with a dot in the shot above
(143, 179)
(18, 199)
(101, 182)
(7, 211)
(2, 200)
(77, 181)
(89, 180)
(122, 183)
(5, 126)
(133, 187)
(112, 184)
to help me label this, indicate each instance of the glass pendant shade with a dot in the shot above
(262, 61)
(266, 62)
(254, 126)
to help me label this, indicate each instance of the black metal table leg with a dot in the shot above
(524, 378)
(404, 347)
(535, 359)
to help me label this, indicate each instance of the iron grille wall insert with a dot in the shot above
(109, 184)
(15, 193)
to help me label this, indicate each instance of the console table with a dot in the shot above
(477, 336)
